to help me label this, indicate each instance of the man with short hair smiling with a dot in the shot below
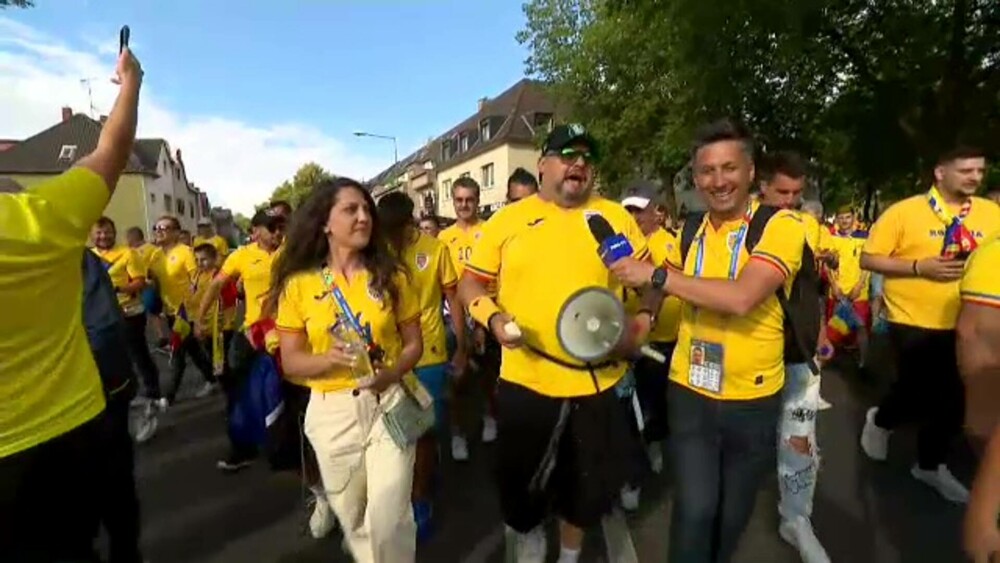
(728, 369)
(920, 244)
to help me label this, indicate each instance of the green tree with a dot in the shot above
(872, 90)
(294, 191)
(242, 222)
(16, 3)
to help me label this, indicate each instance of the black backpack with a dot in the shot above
(801, 304)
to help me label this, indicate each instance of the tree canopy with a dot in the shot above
(873, 91)
(295, 190)
(16, 3)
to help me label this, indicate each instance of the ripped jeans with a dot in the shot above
(797, 470)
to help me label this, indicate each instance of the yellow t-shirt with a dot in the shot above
(752, 346)
(818, 236)
(460, 243)
(430, 272)
(145, 253)
(49, 383)
(218, 242)
(981, 282)
(199, 285)
(300, 311)
(661, 244)
(848, 273)
(252, 264)
(174, 271)
(909, 230)
(123, 265)
(541, 254)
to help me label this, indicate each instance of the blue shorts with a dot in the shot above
(435, 379)
(151, 301)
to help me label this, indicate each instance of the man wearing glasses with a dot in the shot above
(554, 411)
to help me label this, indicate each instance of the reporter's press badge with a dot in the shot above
(706, 363)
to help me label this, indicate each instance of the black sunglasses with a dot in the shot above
(569, 155)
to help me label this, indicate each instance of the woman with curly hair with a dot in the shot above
(337, 268)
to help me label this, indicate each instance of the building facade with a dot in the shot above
(501, 136)
(154, 182)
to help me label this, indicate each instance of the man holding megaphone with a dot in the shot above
(562, 434)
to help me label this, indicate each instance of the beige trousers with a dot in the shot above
(367, 478)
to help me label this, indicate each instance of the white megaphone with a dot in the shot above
(591, 323)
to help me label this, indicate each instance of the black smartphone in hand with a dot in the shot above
(123, 37)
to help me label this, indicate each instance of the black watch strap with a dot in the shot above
(659, 278)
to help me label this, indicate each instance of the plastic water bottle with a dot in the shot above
(355, 346)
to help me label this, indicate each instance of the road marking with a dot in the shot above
(486, 547)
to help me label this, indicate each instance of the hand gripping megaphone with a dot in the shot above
(591, 324)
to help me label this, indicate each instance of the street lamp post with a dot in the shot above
(395, 149)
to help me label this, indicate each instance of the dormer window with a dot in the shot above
(484, 130)
(543, 120)
(463, 142)
(67, 152)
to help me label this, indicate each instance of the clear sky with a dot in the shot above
(250, 89)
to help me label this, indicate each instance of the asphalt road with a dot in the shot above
(864, 511)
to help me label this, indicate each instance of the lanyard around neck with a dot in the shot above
(338, 297)
(734, 249)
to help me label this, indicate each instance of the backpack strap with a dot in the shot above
(754, 232)
(757, 224)
(692, 222)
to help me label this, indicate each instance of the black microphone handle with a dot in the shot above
(600, 228)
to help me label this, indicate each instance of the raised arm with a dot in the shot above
(115, 143)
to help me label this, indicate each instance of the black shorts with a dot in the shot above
(591, 462)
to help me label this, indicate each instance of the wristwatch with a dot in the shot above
(659, 278)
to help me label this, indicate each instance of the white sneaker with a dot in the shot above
(946, 484)
(322, 521)
(655, 453)
(459, 448)
(206, 390)
(532, 547)
(798, 532)
(823, 404)
(874, 440)
(630, 498)
(145, 423)
(489, 429)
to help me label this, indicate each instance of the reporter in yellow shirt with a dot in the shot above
(907, 244)
(128, 272)
(728, 369)
(52, 436)
(335, 248)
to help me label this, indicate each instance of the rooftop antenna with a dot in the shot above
(85, 82)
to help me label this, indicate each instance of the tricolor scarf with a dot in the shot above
(958, 240)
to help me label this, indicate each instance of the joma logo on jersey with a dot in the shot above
(939, 233)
